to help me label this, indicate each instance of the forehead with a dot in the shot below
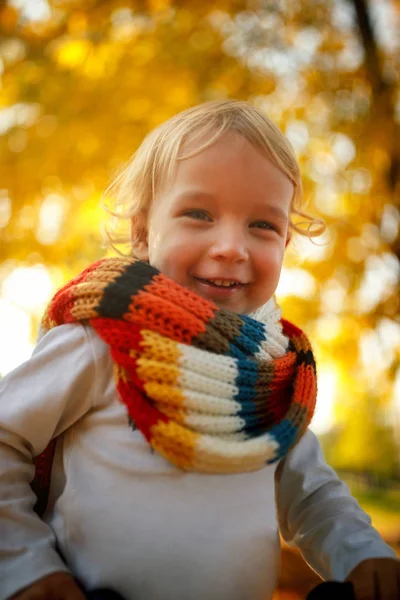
(230, 160)
(211, 142)
(231, 174)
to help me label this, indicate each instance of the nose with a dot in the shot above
(229, 245)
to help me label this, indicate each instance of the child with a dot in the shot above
(179, 398)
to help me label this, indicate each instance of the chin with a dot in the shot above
(236, 309)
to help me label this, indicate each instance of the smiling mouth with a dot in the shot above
(221, 283)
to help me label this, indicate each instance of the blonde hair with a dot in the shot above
(133, 190)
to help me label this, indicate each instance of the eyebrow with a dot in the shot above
(195, 194)
(277, 211)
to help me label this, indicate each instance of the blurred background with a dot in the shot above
(83, 81)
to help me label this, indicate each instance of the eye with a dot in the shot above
(265, 225)
(198, 215)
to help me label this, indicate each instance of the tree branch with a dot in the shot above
(372, 59)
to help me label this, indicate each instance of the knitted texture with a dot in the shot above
(212, 391)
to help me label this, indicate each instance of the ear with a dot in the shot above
(141, 252)
(140, 237)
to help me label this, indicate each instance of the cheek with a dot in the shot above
(170, 254)
(270, 265)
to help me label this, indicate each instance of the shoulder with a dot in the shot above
(78, 339)
(306, 458)
(74, 350)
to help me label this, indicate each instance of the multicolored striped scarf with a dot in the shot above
(211, 390)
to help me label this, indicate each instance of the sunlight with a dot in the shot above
(296, 282)
(324, 414)
(24, 294)
(51, 217)
(33, 10)
(15, 332)
(28, 288)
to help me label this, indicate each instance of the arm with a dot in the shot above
(38, 401)
(317, 512)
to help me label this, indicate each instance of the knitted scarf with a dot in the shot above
(211, 390)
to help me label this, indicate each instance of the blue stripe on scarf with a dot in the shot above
(252, 334)
(285, 434)
(246, 382)
(244, 347)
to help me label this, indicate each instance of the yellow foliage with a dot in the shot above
(77, 23)
(72, 53)
(158, 5)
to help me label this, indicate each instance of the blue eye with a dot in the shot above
(200, 215)
(263, 225)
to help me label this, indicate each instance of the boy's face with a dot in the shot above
(220, 226)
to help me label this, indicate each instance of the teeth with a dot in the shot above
(223, 282)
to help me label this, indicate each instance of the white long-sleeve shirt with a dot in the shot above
(125, 518)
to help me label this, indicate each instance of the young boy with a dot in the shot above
(178, 397)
